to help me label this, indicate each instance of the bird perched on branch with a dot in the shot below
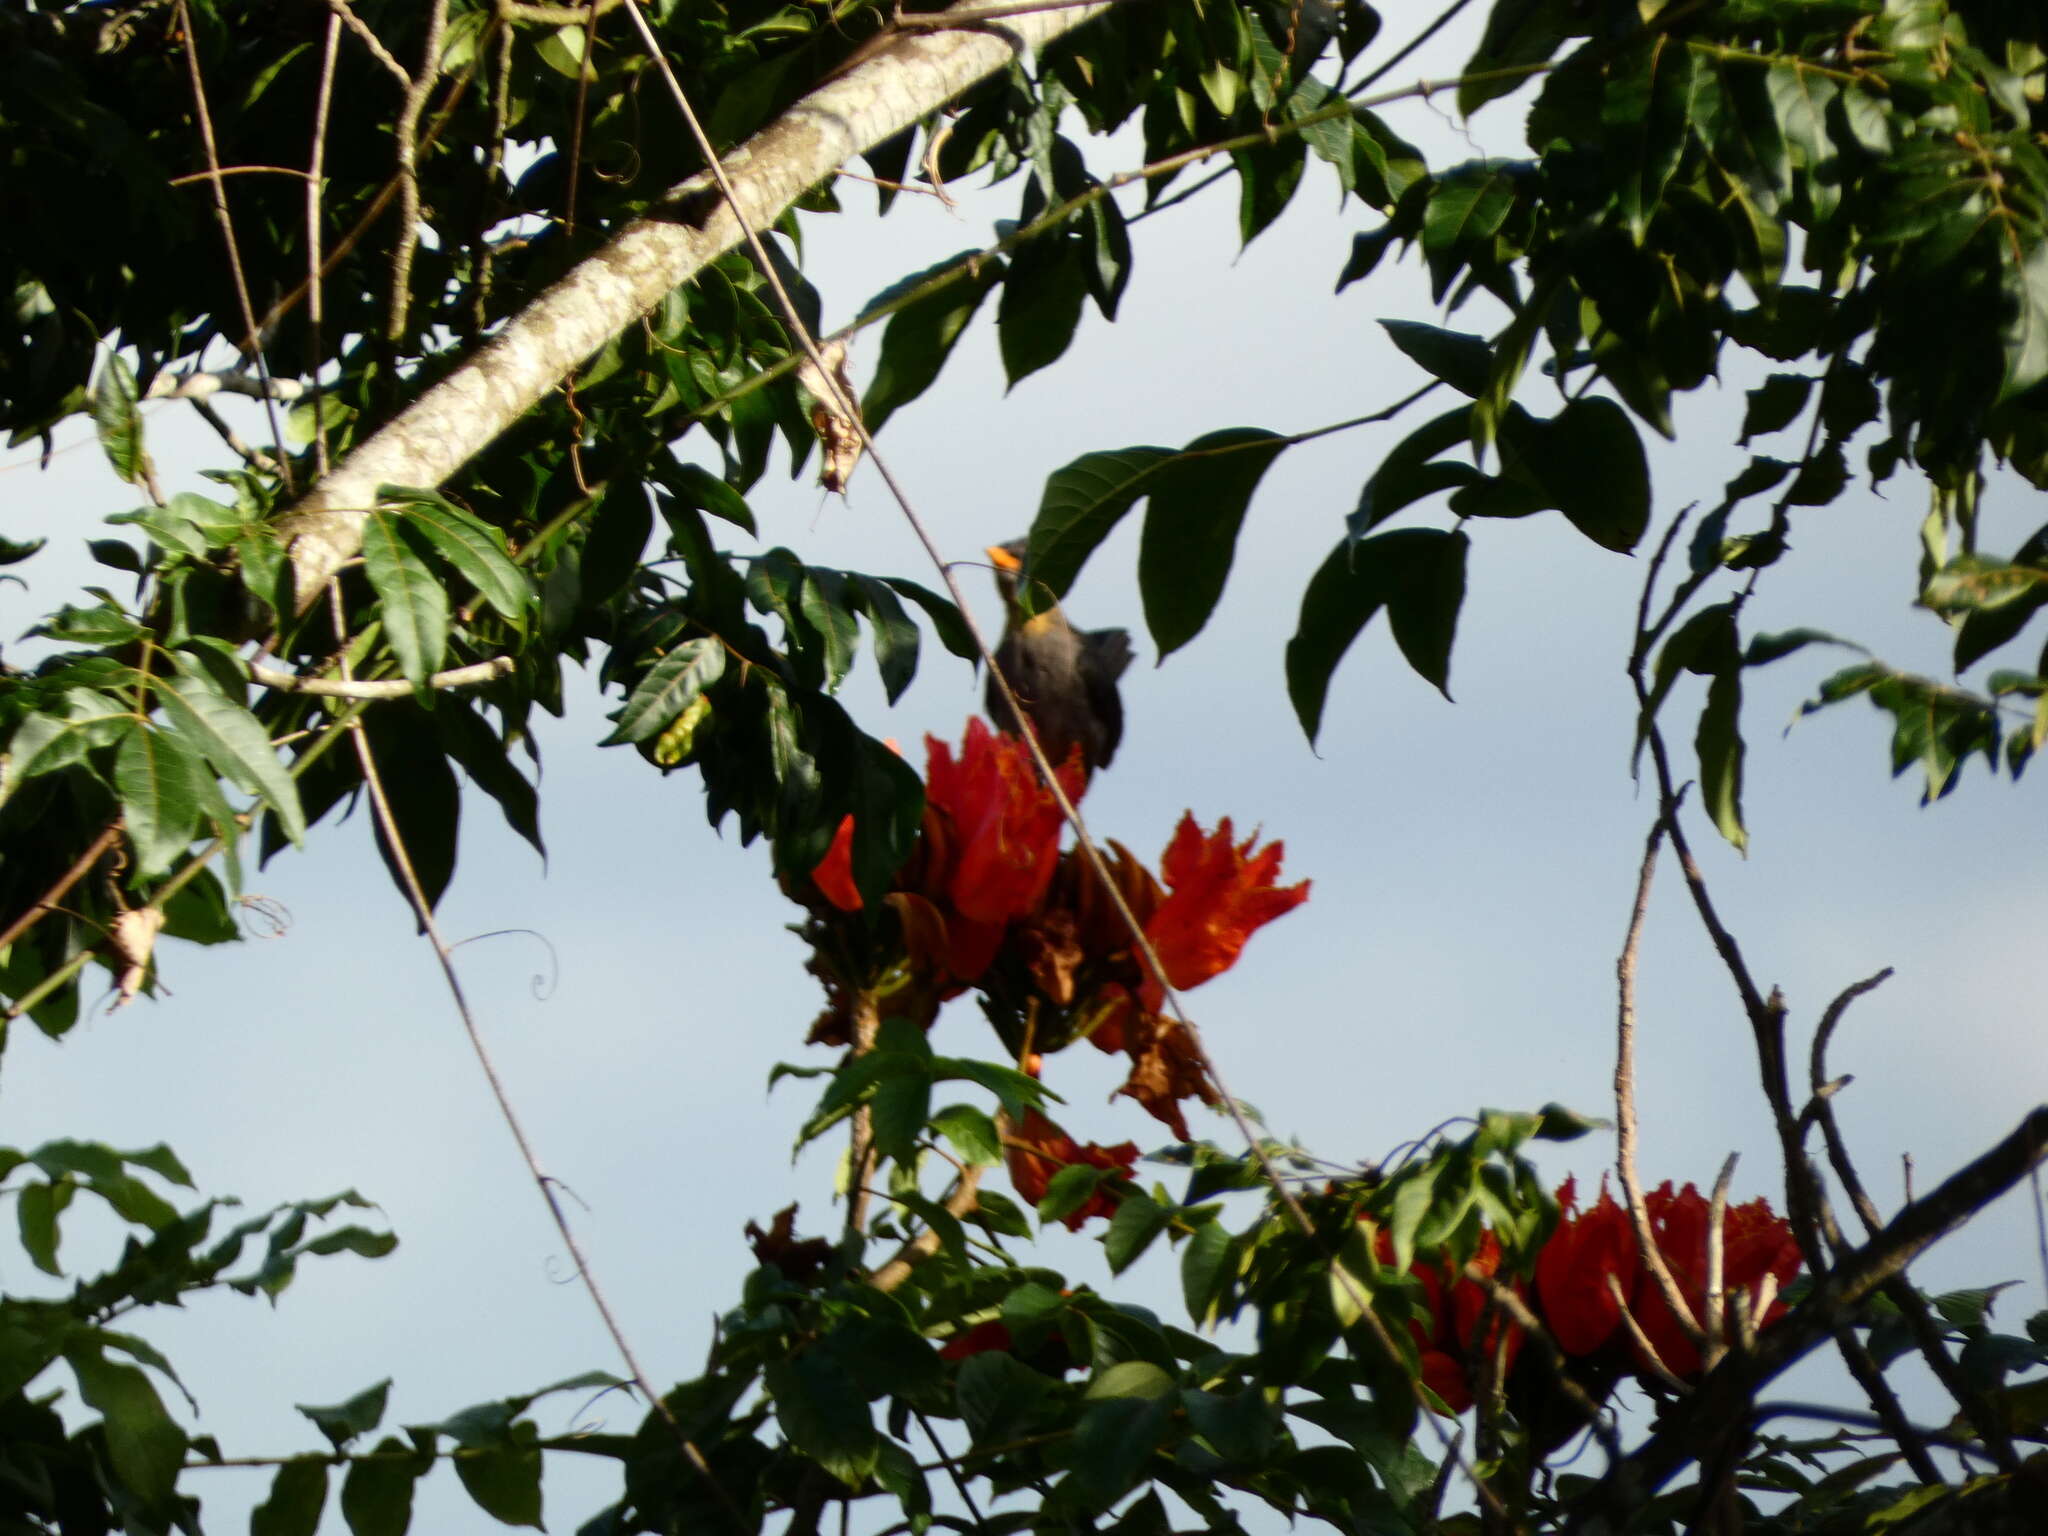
(1065, 678)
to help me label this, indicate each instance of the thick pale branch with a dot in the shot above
(459, 417)
(379, 688)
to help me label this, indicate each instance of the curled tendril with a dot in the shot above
(265, 917)
(542, 986)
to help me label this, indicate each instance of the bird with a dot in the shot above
(1065, 678)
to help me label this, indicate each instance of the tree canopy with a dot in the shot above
(520, 290)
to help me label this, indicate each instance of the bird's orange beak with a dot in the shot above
(1003, 559)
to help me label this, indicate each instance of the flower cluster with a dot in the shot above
(1456, 1353)
(987, 900)
(1038, 1150)
(1588, 1271)
(1592, 1264)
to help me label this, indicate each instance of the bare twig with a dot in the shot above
(408, 130)
(252, 342)
(322, 102)
(80, 868)
(371, 41)
(1644, 1348)
(251, 455)
(1715, 1321)
(1625, 1094)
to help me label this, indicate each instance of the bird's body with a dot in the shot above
(1065, 678)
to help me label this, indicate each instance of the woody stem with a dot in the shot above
(860, 1154)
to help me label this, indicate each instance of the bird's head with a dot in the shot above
(1008, 560)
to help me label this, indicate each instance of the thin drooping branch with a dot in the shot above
(252, 343)
(401, 859)
(458, 417)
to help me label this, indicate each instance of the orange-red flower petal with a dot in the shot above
(1221, 892)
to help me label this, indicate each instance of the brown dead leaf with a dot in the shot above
(838, 432)
(133, 936)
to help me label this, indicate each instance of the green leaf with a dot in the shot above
(1775, 404)
(901, 1104)
(920, 337)
(156, 775)
(1068, 1190)
(1516, 36)
(1458, 358)
(1267, 175)
(896, 637)
(415, 605)
(2026, 328)
(119, 421)
(697, 487)
(1719, 742)
(823, 1413)
(1138, 1220)
(1199, 499)
(144, 1443)
(824, 605)
(1468, 206)
(235, 742)
(297, 1495)
(972, 1133)
(619, 531)
(37, 1208)
(1612, 507)
(668, 688)
(1975, 584)
(1043, 293)
(1421, 568)
(376, 1496)
(357, 1416)
(474, 548)
(998, 1393)
(946, 621)
(1130, 1407)
(505, 1483)
(1083, 501)
(1428, 589)
(1202, 1275)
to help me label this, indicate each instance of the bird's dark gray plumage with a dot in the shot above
(1065, 678)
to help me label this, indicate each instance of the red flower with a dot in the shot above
(1007, 824)
(978, 1340)
(1038, 1150)
(1571, 1272)
(1755, 1242)
(834, 874)
(1221, 892)
(1451, 1347)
